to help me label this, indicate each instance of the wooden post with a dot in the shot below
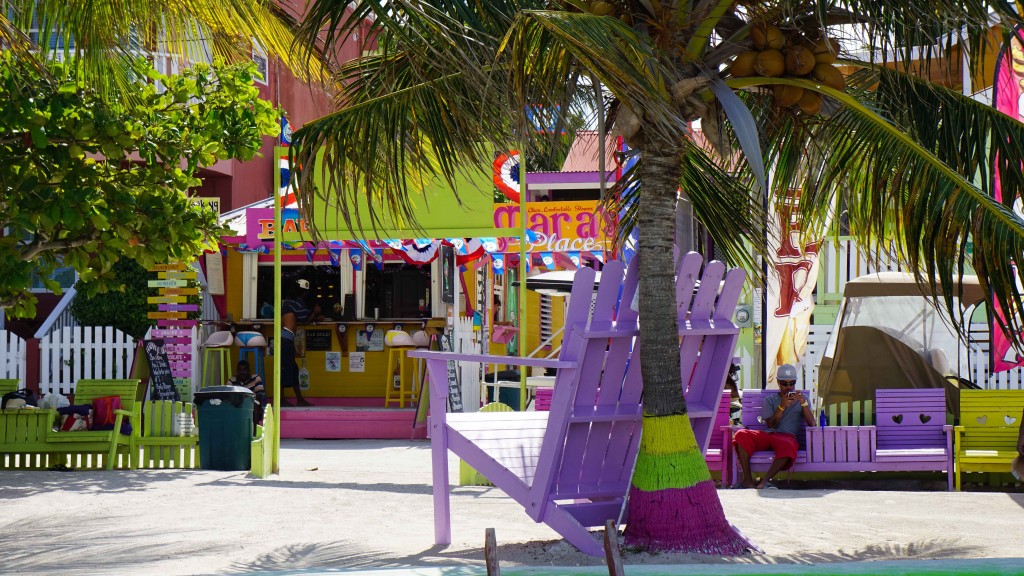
(491, 553)
(611, 549)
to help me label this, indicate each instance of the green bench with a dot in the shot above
(28, 439)
(986, 439)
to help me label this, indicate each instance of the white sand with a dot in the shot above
(367, 504)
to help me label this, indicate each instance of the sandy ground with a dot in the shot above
(362, 504)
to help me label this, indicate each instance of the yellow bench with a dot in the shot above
(986, 439)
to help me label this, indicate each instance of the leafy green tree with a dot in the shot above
(452, 80)
(85, 181)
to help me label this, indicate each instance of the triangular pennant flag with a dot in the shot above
(547, 259)
(531, 235)
(356, 257)
(499, 263)
(335, 255)
(490, 244)
(378, 258)
(574, 255)
(599, 255)
(310, 252)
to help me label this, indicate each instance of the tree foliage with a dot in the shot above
(86, 181)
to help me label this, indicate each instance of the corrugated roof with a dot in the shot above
(582, 155)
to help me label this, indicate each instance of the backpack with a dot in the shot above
(18, 399)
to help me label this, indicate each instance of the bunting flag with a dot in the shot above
(506, 174)
(335, 255)
(394, 244)
(547, 260)
(378, 258)
(490, 245)
(598, 255)
(356, 257)
(499, 263)
(417, 255)
(472, 248)
(310, 252)
(531, 235)
(423, 242)
(574, 255)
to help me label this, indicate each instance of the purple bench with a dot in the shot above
(910, 435)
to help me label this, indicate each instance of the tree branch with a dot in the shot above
(34, 249)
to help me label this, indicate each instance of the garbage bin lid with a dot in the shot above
(232, 394)
(217, 390)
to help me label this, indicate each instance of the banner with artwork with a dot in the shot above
(1008, 97)
(793, 272)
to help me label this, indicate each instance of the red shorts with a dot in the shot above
(784, 445)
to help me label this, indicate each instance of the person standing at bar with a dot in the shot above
(294, 310)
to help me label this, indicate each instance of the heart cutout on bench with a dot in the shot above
(897, 418)
(982, 419)
(925, 418)
(1009, 420)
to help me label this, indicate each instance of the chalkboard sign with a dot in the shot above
(318, 340)
(160, 378)
(454, 389)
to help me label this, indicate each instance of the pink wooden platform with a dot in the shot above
(346, 418)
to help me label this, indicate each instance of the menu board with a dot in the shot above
(318, 340)
(160, 378)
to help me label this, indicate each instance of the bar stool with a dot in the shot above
(217, 349)
(255, 344)
(399, 343)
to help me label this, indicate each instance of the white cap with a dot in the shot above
(303, 283)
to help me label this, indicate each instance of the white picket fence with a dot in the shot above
(12, 356)
(842, 260)
(68, 355)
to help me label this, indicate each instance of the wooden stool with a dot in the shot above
(398, 358)
(217, 349)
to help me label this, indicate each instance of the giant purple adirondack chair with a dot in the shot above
(571, 467)
(707, 338)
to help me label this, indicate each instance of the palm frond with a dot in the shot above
(106, 36)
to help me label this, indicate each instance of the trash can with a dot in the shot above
(225, 427)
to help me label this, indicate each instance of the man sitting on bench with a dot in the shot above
(781, 414)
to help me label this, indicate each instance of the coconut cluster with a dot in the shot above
(777, 54)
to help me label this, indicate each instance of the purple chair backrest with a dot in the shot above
(910, 418)
(593, 430)
(707, 337)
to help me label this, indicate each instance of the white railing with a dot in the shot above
(60, 317)
(71, 354)
(12, 356)
(843, 260)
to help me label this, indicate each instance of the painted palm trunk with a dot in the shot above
(673, 502)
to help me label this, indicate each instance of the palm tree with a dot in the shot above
(453, 80)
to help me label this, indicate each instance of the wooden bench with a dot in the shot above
(161, 447)
(718, 448)
(912, 432)
(986, 439)
(910, 435)
(28, 438)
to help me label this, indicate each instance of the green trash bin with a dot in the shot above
(225, 427)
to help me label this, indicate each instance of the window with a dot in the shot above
(66, 277)
(259, 56)
(324, 288)
(397, 291)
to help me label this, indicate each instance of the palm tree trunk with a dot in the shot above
(673, 504)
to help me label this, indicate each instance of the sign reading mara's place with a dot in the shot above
(554, 226)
